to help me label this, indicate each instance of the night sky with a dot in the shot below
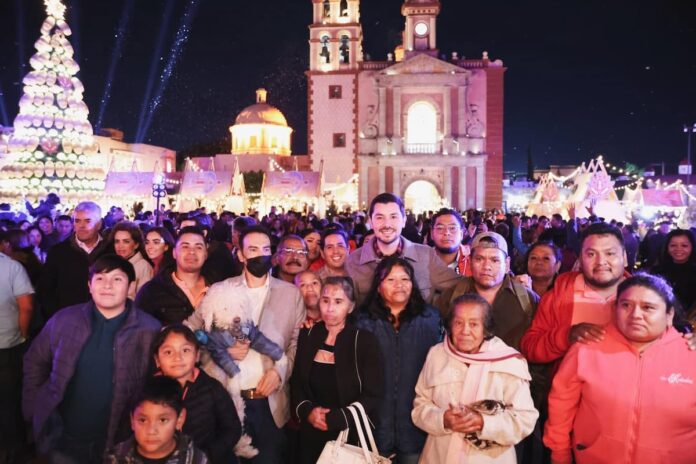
(584, 77)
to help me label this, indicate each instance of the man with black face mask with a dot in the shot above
(277, 309)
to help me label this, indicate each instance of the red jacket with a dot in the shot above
(611, 404)
(546, 340)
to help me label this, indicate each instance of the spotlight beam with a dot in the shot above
(115, 57)
(182, 35)
(154, 64)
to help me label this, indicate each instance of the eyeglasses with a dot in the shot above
(293, 251)
(442, 229)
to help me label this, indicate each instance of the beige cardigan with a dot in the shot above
(441, 382)
(143, 274)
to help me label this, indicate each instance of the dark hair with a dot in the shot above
(665, 258)
(385, 198)
(253, 230)
(471, 298)
(177, 328)
(162, 232)
(111, 262)
(554, 248)
(19, 239)
(135, 233)
(64, 217)
(346, 283)
(161, 390)
(333, 231)
(374, 303)
(602, 228)
(652, 282)
(190, 230)
(307, 232)
(447, 212)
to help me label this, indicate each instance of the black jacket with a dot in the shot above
(211, 419)
(358, 379)
(221, 263)
(164, 300)
(63, 279)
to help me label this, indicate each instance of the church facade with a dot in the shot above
(425, 127)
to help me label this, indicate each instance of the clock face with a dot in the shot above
(421, 29)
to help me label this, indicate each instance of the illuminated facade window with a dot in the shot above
(421, 128)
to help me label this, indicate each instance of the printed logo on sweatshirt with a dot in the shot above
(676, 378)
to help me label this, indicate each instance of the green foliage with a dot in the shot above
(253, 181)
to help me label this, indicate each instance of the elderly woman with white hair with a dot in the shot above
(472, 396)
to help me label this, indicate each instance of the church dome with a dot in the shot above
(261, 112)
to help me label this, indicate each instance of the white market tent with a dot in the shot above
(204, 186)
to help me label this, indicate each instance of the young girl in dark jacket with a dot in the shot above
(211, 418)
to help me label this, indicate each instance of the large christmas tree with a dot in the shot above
(52, 148)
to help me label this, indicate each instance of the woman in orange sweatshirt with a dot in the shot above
(631, 397)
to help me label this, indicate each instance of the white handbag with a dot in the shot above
(340, 452)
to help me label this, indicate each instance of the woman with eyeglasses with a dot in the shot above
(406, 328)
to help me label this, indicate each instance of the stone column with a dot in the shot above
(397, 112)
(382, 110)
(447, 185)
(447, 112)
(461, 124)
(480, 186)
(380, 167)
(462, 187)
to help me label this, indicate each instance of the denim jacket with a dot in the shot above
(403, 356)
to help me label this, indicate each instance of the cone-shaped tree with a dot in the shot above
(52, 148)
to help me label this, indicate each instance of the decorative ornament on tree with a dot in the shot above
(600, 186)
(52, 135)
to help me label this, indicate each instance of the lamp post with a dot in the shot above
(158, 191)
(688, 131)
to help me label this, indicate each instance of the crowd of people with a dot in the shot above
(466, 338)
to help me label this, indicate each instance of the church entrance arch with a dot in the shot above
(422, 195)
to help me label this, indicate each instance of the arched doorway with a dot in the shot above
(421, 196)
(421, 128)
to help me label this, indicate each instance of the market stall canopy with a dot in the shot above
(297, 184)
(129, 184)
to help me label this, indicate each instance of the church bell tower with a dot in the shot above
(421, 24)
(335, 54)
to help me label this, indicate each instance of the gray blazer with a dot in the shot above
(282, 315)
(431, 273)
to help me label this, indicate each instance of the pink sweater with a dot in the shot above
(622, 406)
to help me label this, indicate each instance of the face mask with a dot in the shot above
(259, 265)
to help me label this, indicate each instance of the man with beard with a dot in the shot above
(580, 303)
(387, 217)
(276, 308)
(447, 234)
(291, 257)
(171, 297)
